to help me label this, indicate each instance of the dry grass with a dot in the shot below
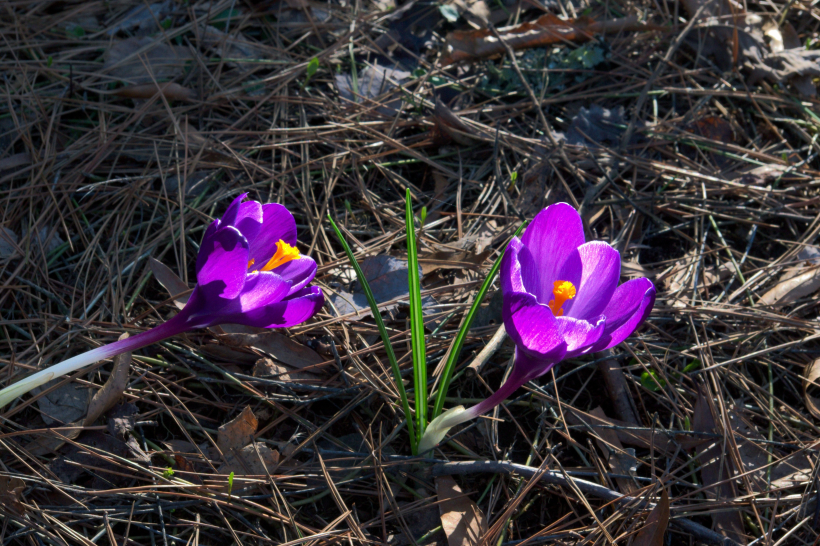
(708, 174)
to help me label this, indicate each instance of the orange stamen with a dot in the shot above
(284, 254)
(562, 291)
(250, 263)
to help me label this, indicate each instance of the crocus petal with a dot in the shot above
(519, 272)
(262, 288)
(223, 258)
(283, 314)
(298, 272)
(277, 223)
(630, 305)
(551, 238)
(580, 335)
(532, 326)
(594, 268)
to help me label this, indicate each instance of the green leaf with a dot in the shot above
(449, 12)
(692, 366)
(74, 31)
(455, 348)
(423, 215)
(650, 381)
(388, 347)
(312, 68)
(417, 337)
(168, 473)
(230, 482)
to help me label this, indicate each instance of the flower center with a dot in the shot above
(562, 291)
(284, 254)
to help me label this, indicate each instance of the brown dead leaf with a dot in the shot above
(626, 432)
(10, 492)
(169, 90)
(279, 346)
(450, 125)
(462, 520)
(144, 60)
(105, 398)
(233, 48)
(14, 161)
(652, 533)
(267, 367)
(469, 45)
(170, 282)
(451, 260)
(716, 469)
(811, 382)
(246, 461)
(236, 434)
(791, 287)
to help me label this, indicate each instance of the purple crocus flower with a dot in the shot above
(248, 272)
(561, 300)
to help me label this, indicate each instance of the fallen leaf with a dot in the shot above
(267, 367)
(107, 397)
(451, 260)
(106, 472)
(195, 185)
(11, 489)
(653, 531)
(44, 240)
(144, 60)
(252, 460)
(470, 45)
(387, 277)
(373, 82)
(450, 124)
(231, 47)
(169, 90)
(8, 243)
(14, 161)
(238, 433)
(143, 18)
(411, 26)
(170, 282)
(620, 460)
(63, 405)
(811, 382)
(462, 520)
(121, 423)
(278, 346)
(716, 469)
(791, 288)
(713, 128)
(598, 125)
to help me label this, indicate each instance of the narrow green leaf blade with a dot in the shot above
(388, 347)
(455, 349)
(417, 338)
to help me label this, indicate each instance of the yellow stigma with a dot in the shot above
(284, 254)
(562, 291)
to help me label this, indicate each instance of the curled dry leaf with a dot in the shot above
(169, 90)
(716, 467)
(469, 45)
(652, 533)
(462, 520)
(791, 287)
(236, 434)
(170, 282)
(278, 346)
(10, 491)
(811, 380)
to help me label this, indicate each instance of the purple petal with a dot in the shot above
(630, 305)
(594, 269)
(518, 270)
(298, 272)
(551, 238)
(283, 314)
(277, 223)
(580, 335)
(532, 326)
(262, 288)
(223, 259)
(246, 217)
